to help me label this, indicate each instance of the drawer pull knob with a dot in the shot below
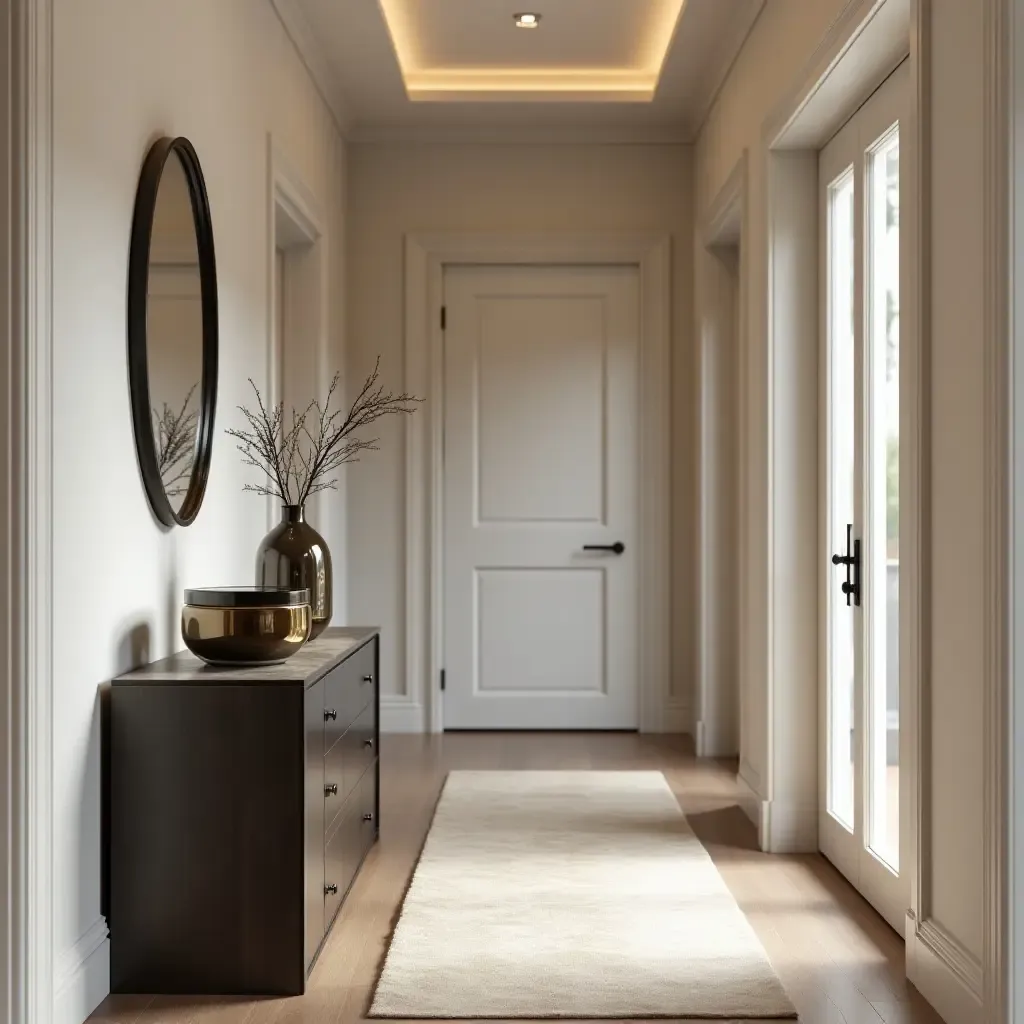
(330, 715)
(368, 679)
(330, 889)
(368, 743)
(367, 817)
(331, 789)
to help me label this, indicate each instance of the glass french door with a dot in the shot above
(859, 183)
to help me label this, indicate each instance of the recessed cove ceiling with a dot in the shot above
(458, 70)
(468, 50)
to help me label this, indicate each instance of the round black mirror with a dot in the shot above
(172, 330)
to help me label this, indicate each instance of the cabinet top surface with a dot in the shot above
(333, 646)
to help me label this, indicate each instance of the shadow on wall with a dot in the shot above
(133, 649)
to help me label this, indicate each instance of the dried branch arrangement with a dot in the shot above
(175, 433)
(302, 457)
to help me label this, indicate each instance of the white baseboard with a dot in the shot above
(401, 716)
(706, 747)
(82, 976)
(750, 775)
(944, 972)
(750, 802)
(789, 826)
(676, 717)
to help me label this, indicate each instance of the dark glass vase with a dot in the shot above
(295, 557)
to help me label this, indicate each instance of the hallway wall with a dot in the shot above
(781, 43)
(953, 845)
(223, 74)
(399, 188)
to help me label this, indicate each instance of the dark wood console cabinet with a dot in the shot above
(242, 804)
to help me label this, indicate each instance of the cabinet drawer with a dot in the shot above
(359, 747)
(335, 884)
(347, 761)
(366, 794)
(353, 835)
(347, 690)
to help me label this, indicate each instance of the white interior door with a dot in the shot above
(860, 185)
(540, 497)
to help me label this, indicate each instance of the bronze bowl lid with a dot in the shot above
(245, 597)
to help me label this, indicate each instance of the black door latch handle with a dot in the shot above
(617, 548)
(851, 586)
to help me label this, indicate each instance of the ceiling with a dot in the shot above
(616, 70)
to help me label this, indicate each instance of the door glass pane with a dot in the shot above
(841, 480)
(883, 469)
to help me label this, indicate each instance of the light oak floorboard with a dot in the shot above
(839, 961)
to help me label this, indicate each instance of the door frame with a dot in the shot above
(33, 986)
(419, 708)
(723, 277)
(869, 40)
(297, 224)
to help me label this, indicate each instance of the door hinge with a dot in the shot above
(442, 679)
(444, 317)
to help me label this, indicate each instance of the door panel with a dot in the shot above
(540, 409)
(540, 448)
(860, 190)
(883, 398)
(842, 419)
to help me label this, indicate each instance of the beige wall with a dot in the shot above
(225, 75)
(782, 42)
(395, 189)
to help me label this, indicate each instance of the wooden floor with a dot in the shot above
(840, 963)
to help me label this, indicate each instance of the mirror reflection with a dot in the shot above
(174, 331)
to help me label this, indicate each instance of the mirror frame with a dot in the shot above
(138, 301)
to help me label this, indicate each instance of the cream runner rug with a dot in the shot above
(571, 894)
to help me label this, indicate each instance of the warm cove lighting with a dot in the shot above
(634, 80)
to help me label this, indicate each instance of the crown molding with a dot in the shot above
(728, 55)
(478, 133)
(317, 63)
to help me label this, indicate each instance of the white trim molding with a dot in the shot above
(425, 258)
(678, 716)
(945, 973)
(750, 803)
(741, 25)
(290, 192)
(726, 217)
(83, 976)
(1004, 976)
(723, 321)
(998, 986)
(26, 521)
(293, 204)
(399, 715)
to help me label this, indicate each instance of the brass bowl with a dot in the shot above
(245, 626)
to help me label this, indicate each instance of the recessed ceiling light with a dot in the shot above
(526, 20)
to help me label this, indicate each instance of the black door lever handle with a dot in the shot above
(617, 548)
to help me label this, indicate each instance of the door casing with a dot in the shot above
(517, 571)
(419, 708)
